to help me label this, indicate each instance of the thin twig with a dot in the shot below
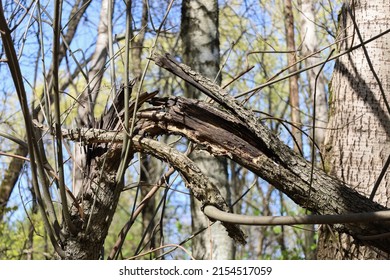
(162, 247)
(126, 140)
(314, 65)
(313, 154)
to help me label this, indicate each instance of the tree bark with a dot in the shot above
(200, 37)
(317, 91)
(94, 208)
(235, 134)
(263, 153)
(357, 143)
(293, 81)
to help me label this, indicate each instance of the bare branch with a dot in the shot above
(36, 163)
(214, 213)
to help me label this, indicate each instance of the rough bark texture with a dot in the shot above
(224, 135)
(232, 132)
(100, 194)
(263, 153)
(201, 50)
(101, 191)
(201, 186)
(358, 144)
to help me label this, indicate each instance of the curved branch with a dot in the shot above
(201, 187)
(57, 115)
(223, 134)
(214, 213)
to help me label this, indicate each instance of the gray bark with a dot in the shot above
(200, 37)
(357, 143)
(235, 133)
(263, 153)
(94, 208)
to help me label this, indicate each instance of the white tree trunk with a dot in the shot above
(358, 143)
(317, 92)
(88, 97)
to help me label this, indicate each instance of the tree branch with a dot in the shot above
(222, 134)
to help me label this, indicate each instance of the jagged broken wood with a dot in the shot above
(223, 134)
(236, 133)
(263, 153)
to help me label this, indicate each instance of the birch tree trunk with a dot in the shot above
(201, 50)
(357, 143)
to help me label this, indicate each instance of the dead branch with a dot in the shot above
(223, 134)
(236, 133)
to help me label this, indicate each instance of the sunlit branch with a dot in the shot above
(57, 113)
(367, 217)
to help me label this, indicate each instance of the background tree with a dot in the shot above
(200, 37)
(293, 81)
(316, 88)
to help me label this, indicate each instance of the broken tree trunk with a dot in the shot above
(263, 153)
(223, 134)
(228, 130)
(95, 204)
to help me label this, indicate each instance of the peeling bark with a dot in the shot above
(200, 40)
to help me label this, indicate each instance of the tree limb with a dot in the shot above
(222, 134)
